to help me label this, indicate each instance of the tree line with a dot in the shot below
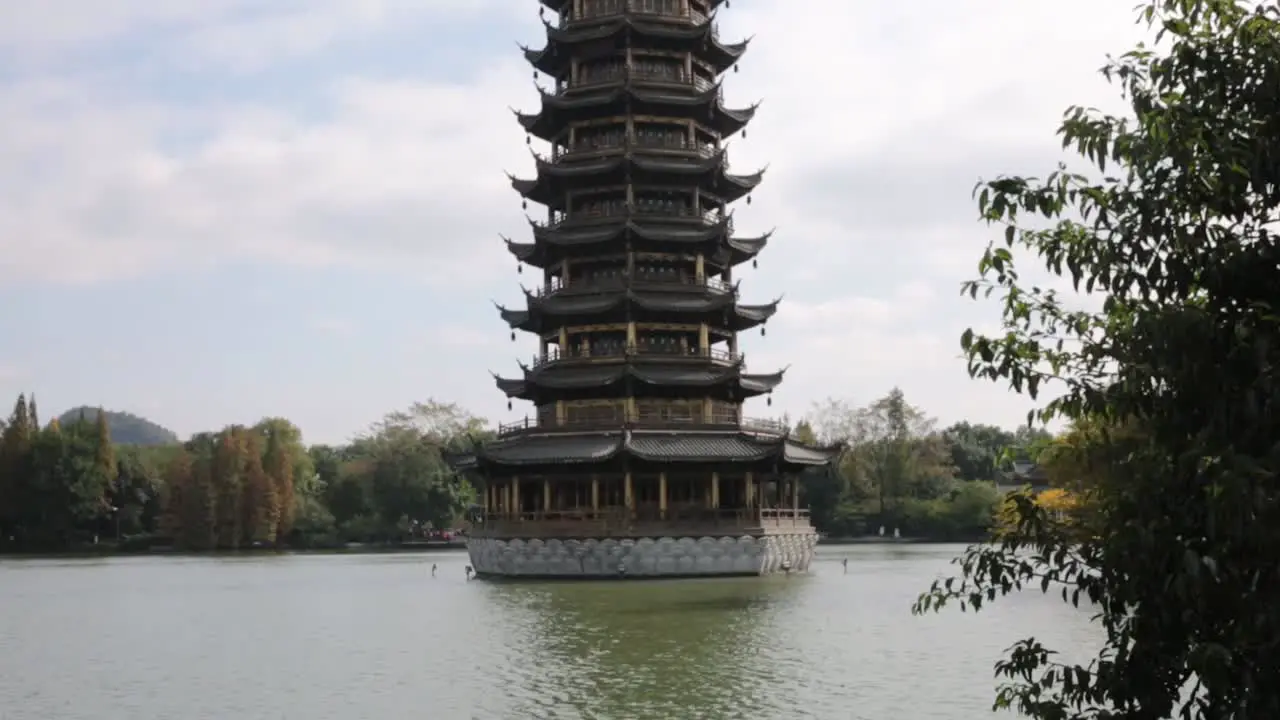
(66, 485)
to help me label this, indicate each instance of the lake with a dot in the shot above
(366, 637)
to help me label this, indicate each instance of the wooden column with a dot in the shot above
(748, 484)
(564, 341)
(546, 496)
(631, 335)
(700, 269)
(561, 414)
(628, 497)
(795, 493)
(595, 493)
(488, 498)
(662, 495)
(704, 339)
(715, 491)
(515, 495)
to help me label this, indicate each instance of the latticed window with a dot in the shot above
(669, 411)
(725, 413)
(604, 71)
(547, 415)
(599, 138)
(664, 204)
(666, 344)
(659, 69)
(600, 207)
(596, 8)
(658, 7)
(596, 412)
(661, 136)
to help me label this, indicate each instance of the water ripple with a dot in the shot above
(341, 637)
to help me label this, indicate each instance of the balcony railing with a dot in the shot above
(616, 352)
(621, 418)
(611, 75)
(604, 9)
(605, 145)
(640, 281)
(642, 520)
(610, 211)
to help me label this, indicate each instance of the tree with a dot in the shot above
(1184, 567)
(977, 450)
(261, 504)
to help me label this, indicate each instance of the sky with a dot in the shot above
(213, 211)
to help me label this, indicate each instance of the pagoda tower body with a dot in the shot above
(638, 462)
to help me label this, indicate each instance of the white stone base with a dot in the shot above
(611, 558)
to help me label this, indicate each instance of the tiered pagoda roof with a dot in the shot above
(637, 314)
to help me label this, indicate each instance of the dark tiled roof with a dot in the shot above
(543, 449)
(553, 449)
(698, 446)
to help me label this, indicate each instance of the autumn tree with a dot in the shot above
(261, 504)
(1174, 226)
(279, 471)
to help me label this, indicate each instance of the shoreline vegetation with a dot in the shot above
(73, 486)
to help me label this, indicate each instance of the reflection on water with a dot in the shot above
(341, 637)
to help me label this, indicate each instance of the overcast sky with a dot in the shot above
(217, 210)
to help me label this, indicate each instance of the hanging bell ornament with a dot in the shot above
(767, 401)
(528, 139)
(762, 332)
(748, 199)
(524, 204)
(520, 268)
(735, 68)
(755, 263)
(744, 133)
(513, 336)
(508, 404)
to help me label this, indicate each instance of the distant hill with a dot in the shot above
(126, 428)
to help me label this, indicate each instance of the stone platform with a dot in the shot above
(645, 557)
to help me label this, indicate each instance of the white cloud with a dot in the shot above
(878, 118)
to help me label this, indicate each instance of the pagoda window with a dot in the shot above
(725, 413)
(601, 8)
(659, 272)
(669, 203)
(608, 344)
(659, 69)
(595, 412)
(669, 411)
(600, 138)
(601, 275)
(667, 344)
(602, 71)
(670, 8)
(662, 136)
(592, 207)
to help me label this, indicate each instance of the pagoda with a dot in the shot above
(639, 461)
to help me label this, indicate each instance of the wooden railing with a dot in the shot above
(784, 517)
(612, 75)
(715, 354)
(604, 145)
(640, 521)
(713, 284)
(622, 419)
(614, 8)
(635, 210)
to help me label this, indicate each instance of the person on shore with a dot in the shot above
(433, 569)
(845, 563)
